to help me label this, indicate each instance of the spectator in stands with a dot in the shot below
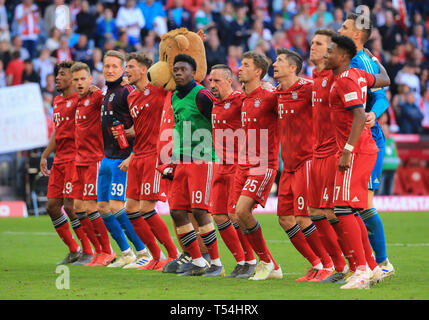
(3, 77)
(178, 16)
(43, 65)
(50, 88)
(234, 58)
(53, 42)
(258, 33)
(150, 46)
(391, 33)
(392, 68)
(5, 52)
(123, 43)
(29, 74)
(225, 22)
(419, 40)
(96, 63)
(327, 17)
(15, 69)
(338, 19)
(215, 52)
(391, 161)
(240, 28)
(151, 9)
(204, 16)
(28, 20)
(50, 17)
(130, 19)
(407, 75)
(296, 29)
(106, 27)
(17, 45)
(410, 117)
(86, 21)
(4, 23)
(63, 52)
(81, 51)
(424, 107)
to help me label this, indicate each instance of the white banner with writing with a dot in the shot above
(23, 123)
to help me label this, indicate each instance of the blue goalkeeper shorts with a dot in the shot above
(374, 181)
(111, 180)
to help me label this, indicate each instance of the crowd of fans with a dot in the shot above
(35, 35)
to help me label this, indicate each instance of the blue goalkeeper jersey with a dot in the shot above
(376, 98)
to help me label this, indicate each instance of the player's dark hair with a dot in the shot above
(140, 57)
(325, 32)
(259, 60)
(66, 64)
(224, 68)
(346, 44)
(362, 23)
(292, 57)
(185, 58)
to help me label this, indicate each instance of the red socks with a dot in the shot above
(330, 241)
(62, 227)
(313, 239)
(100, 231)
(145, 234)
(89, 230)
(160, 230)
(370, 259)
(189, 241)
(257, 241)
(247, 248)
(230, 237)
(300, 243)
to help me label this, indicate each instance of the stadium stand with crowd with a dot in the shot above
(32, 42)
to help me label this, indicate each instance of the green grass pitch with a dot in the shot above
(30, 248)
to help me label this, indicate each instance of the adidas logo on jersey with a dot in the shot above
(355, 199)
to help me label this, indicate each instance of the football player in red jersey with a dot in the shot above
(144, 181)
(296, 139)
(61, 189)
(89, 153)
(323, 164)
(357, 152)
(255, 173)
(226, 123)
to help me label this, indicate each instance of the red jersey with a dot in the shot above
(64, 117)
(325, 143)
(166, 127)
(349, 91)
(295, 124)
(226, 120)
(259, 120)
(88, 134)
(146, 111)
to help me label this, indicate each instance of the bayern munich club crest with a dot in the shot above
(324, 82)
(86, 102)
(227, 105)
(294, 95)
(146, 92)
(112, 96)
(257, 103)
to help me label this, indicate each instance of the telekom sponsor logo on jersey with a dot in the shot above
(252, 145)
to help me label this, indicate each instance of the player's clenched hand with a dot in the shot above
(370, 119)
(44, 166)
(345, 161)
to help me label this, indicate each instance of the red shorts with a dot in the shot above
(322, 179)
(293, 192)
(86, 182)
(257, 187)
(143, 180)
(190, 188)
(62, 180)
(351, 186)
(221, 196)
